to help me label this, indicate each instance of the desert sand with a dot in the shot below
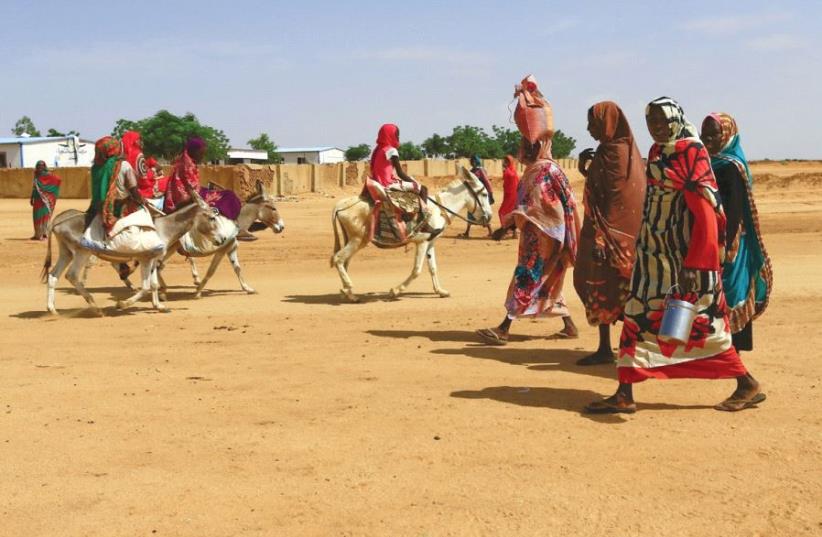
(291, 412)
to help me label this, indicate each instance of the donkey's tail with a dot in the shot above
(336, 225)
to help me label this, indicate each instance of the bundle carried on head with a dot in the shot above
(533, 115)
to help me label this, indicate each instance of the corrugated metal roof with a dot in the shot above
(305, 149)
(37, 139)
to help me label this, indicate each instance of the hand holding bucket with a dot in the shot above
(677, 319)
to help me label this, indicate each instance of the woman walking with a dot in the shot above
(510, 182)
(44, 193)
(747, 275)
(678, 248)
(614, 195)
(546, 217)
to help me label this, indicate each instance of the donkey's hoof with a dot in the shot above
(198, 294)
(162, 308)
(120, 304)
(347, 293)
(53, 312)
(250, 291)
(163, 296)
(395, 292)
(96, 312)
(443, 293)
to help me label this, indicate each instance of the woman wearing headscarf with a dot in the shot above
(678, 254)
(614, 195)
(482, 175)
(114, 191)
(546, 217)
(386, 170)
(184, 173)
(747, 275)
(44, 193)
(510, 181)
(133, 152)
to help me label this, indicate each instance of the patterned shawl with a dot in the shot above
(747, 274)
(107, 162)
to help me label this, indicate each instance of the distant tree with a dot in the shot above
(164, 134)
(56, 133)
(563, 145)
(410, 151)
(436, 146)
(507, 140)
(264, 143)
(357, 152)
(23, 126)
(467, 141)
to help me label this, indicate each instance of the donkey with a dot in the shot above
(68, 228)
(258, 212)
(352, 217)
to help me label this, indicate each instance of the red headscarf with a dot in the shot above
(382, 170)
(133, 152)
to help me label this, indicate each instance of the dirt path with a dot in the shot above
(292, 413)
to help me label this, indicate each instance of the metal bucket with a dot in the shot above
(677, 320)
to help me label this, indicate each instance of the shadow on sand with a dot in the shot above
(457, 336)
(568, 399)
(337, 299)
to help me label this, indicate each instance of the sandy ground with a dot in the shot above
(291, 413)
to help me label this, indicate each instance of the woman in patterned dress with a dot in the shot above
(678, 252)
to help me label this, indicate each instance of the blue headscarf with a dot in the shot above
(746, 273)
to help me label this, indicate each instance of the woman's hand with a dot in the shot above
(585, 158)
(688, 280)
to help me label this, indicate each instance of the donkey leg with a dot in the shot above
(154, 276)
(432, 268)
(212, 268)
(235, 264)
(194, 274)
(74, 275)
(341, 260)
(65, 257)
(419, 259)
(124, 277)
(145, 286)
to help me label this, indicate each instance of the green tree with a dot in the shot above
(436, 146)
(164, 134)
(56, 133)
(23, 126)
(410, 151)
(264, 143)
(467, 141)
(357, 152)
(507, 140)
(563, 145)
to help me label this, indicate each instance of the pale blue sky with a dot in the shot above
(329, 73)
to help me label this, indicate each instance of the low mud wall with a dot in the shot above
(279, 179)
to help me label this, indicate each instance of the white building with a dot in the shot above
(311, 155)
(246, 156)
(55, 151)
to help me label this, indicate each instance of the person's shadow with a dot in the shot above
(568, 399)
(535, 359)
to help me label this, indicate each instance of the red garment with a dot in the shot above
(133, 152)
(382, 170)
(184, 171)
(726, 365)
(510, 181)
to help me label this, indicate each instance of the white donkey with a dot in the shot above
(68, 228)
(352, 216)
(258, 212)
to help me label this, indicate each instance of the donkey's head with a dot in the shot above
(205, 219)
(267, 214)
(478, 199)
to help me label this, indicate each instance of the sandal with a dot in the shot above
(735, 404)
(492, 337)
(611, 405)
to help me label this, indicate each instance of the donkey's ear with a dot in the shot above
(259, 188)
